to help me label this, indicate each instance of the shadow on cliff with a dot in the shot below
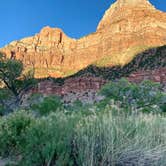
(150, 59)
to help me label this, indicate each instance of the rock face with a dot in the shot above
(127, 28)
(80, 88)
(85, 88)
(157, 75)
(124, 8)
(71, 85)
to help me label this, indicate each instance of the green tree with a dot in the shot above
(12, 77)
(46, 105)
(140, 96)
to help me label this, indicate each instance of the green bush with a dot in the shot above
(102, 134)
(49, 141)
(2, 110)
(79, 108)
(4, 97)
(101, 138)
(47, 105)
(146, 96)
(12, 131)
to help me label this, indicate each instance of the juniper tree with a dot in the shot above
(12, 77)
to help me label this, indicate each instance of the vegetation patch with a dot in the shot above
(127, 127)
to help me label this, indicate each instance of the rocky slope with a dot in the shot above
(84, 85)
(127, 28)
(149, 60)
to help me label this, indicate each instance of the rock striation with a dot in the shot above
(127, 28)
(85, 88)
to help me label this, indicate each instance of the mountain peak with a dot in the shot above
(122, 8)
(48, 30)
(127, 28)
(133, 2)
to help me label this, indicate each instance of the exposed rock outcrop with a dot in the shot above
(128, 27)
(148, 65)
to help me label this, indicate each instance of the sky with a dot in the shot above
(22, 18)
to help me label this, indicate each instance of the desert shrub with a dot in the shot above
(121, 140)
(4, 97)
(83, 109)
(163, 107)
(2, 109)
(146, 96)
(77, 105)
(46, 105)
(34, 98)
(12, 131)
(49, 141)
(101, 134)
(102, 138)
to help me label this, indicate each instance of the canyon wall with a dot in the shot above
(127, 28)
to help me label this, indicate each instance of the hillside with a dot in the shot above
(126, 29)
(84, 85)
(151, 59)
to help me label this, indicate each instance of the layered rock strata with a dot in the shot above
(127, 28)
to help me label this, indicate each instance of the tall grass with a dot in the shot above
(122, 140)
(98, 139)
(126, 128)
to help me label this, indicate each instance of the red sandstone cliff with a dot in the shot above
(128, 27)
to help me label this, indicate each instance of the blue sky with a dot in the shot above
(22, 18)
